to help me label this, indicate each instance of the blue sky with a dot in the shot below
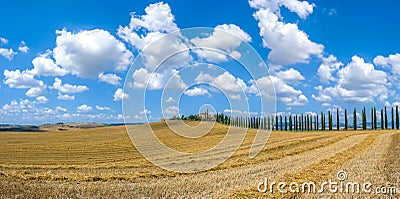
(67, 61)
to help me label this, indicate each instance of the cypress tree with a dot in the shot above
(280, 117)
(285, 123)
(290, 123)
(392, 119)
(397, 117)
(375, 120)
(337, 119)
(382, 121)
(372, 118)
(355, 119)
(276, 122)
(302, 123)
(386, 120)
(316, 122)
(330, 120)
(311, 126)
(295, 122)
(364, 120)
(346, 123)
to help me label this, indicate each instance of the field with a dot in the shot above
(103, 163)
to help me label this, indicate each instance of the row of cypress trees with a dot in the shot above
(309, 122)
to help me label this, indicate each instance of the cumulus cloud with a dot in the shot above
(84, 108)
(158, 21)
(3, 40)
(7, 53)
(171, 111)
(392, 61)
(65, 96)
(112, 79)
(290, 75)
(120, 95)
(42, 99)
(283, 92)
(301, 8)
(358, 81)
(196, 91)
(89, 53)
(328, 66)
(226, 38)
(18, 79)
(23, 47)
(288, 44)
(228, 83)
(68, 88)
(45, 66)
(153, 81)
(170, 99)
(103, 108)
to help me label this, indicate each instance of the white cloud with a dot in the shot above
(290, 75)
(90, 52)
(23, 106)
(65, 96)
(392, 61)
(169, 100)
(112, 79)
(3, 40)
(226, 38)
(196, 91)
(120, 95)
(42, 99)
(7, 53)
(357, 82)
(322, 96)
(36, 91)
(158, 21)
(283, 91)
(288, 44)
(68, 88)
(44, 66)
(148, 29)
(23, 47)
(301, 8)
(23, 80)
(61, 109)
(103, 108)
(328, 66)
(171, 111)
(141, 77)
(84, 108)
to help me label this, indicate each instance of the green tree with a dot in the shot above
(337, 119)
(290, 123)
(372, 118)
(355, 119)
(375, 120)
(382, 121)
(286, 123)
(330, 120)
(392, 119)
(386, 120)
(346, 123)
(397, 117)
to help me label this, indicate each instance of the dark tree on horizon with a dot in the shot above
(355, 119)
(386, 120)
(346, 124)
(337, 119)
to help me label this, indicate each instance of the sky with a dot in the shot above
(74, 61)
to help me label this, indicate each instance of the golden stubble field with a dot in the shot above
(103, 163)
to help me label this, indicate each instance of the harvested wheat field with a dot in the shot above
(103, 163)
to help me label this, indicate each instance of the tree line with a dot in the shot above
(310, 122)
